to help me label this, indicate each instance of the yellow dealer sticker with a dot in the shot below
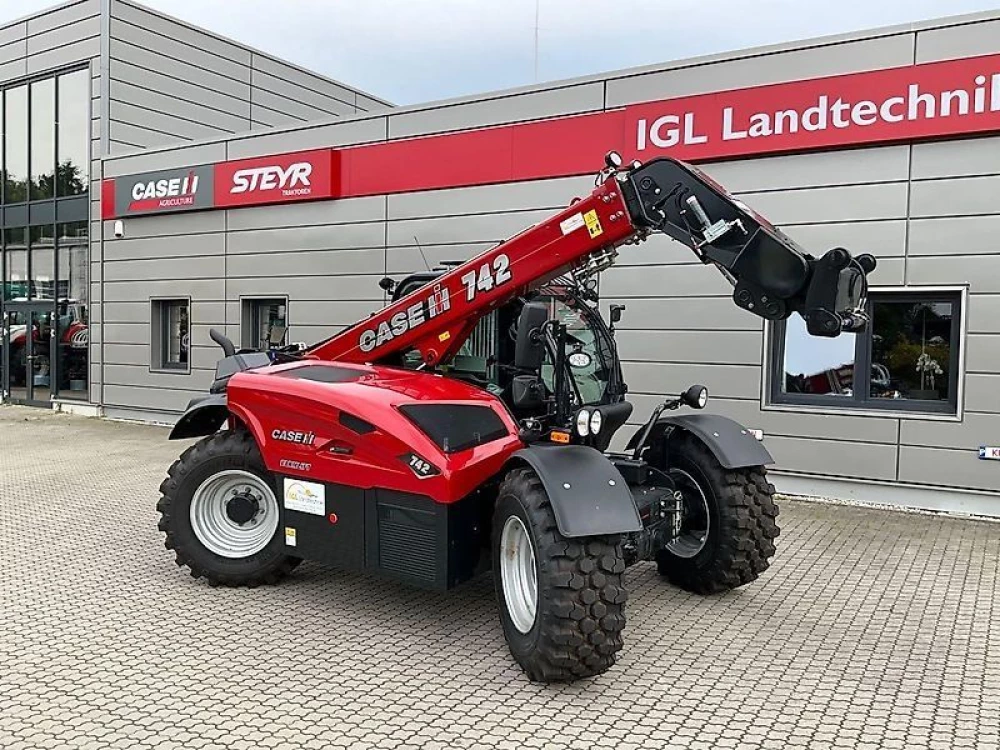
(593, 224)
(290, 536)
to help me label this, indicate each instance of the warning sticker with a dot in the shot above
(289, 536)
(593, 224)
(573, 223)
(305, 497)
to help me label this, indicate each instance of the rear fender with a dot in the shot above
(732, 444)
(589, 497)
(204, 416)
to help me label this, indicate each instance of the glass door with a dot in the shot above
(27, 351)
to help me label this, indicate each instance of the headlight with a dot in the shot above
(696, 397)
(703, 398)
(583, 423)
(596, 420)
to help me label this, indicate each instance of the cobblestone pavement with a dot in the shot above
(873, 629)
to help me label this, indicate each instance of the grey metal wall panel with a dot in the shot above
(657, 250)
(719, 347)
(650, 281)
(308, 288)
(982, 354)
(62, 16)
(145, 18)
(881, 238)
(515, 196)
(14, 69)
(125, 375)
(974, 430)
(168, 124)
(473, 228)
(150, 398)
(127, 291)
(278, 69)
(345, 211)
(14, 51)
(968, 235)
(209, 267)
(410, 258)
(131, 77)
(840, 458)
(146, 59)
(958, 197)
(328, 312)
(937, 466)
(981, 272)
(277, 103)
(283, 89)
(963, 40)
(367, 104)
(65, 55)
(306, 238)
(322, 136)
(564, 100)
(64, 35)
(202, 357)
(156, 229)
(126, 138)
(186, 246)
(984, 313)
(981, 393)
(175, 158)
(854, 203)
(789, 65)
(822, 169)
(322, 262)
(890, 272)
(727, 381)
(183, 48)
(15, 32)
(262, 118)
(171, 105)
(956, 158)
(682, 313)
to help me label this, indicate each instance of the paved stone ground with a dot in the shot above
(873, 629)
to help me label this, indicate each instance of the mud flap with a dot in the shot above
(589, 496)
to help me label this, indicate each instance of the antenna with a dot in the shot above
(428, 265)
(537, 8)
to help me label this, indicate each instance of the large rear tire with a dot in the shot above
(561, 600)
(220, 513)
(730, 524)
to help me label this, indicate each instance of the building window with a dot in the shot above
(15, 136)
(907, 359)
(264, 322)
(171, 334)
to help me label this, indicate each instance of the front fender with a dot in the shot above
(204, 416)
(732, 444)
(589, 496)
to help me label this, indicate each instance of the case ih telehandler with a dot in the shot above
(467, 424)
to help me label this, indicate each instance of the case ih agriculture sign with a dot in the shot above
(934, 100)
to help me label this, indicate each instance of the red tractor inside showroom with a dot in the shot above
(467, 426)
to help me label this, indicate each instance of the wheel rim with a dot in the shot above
(696, 522)
(518, 574)
(234, 514)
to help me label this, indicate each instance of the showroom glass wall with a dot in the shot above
(44, 207)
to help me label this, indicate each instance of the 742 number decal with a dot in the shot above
(488, 277)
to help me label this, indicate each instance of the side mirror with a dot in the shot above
(529, 351)
(527, 391)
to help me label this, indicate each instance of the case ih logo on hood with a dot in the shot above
(275, 179)
(292, 436)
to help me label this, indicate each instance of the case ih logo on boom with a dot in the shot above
(291, 181)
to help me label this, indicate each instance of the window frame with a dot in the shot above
(158, 335)
(775, 399)
(249, 316)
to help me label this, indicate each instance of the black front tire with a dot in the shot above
(219, 452)
(580, 615)
(743, 523)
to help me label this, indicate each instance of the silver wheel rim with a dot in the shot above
(697, 521)
(211, 518)
(518, 574)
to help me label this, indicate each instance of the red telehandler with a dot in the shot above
(467, 425)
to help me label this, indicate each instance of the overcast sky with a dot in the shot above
(411, 51)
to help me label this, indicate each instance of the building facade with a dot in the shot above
(886, 142)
